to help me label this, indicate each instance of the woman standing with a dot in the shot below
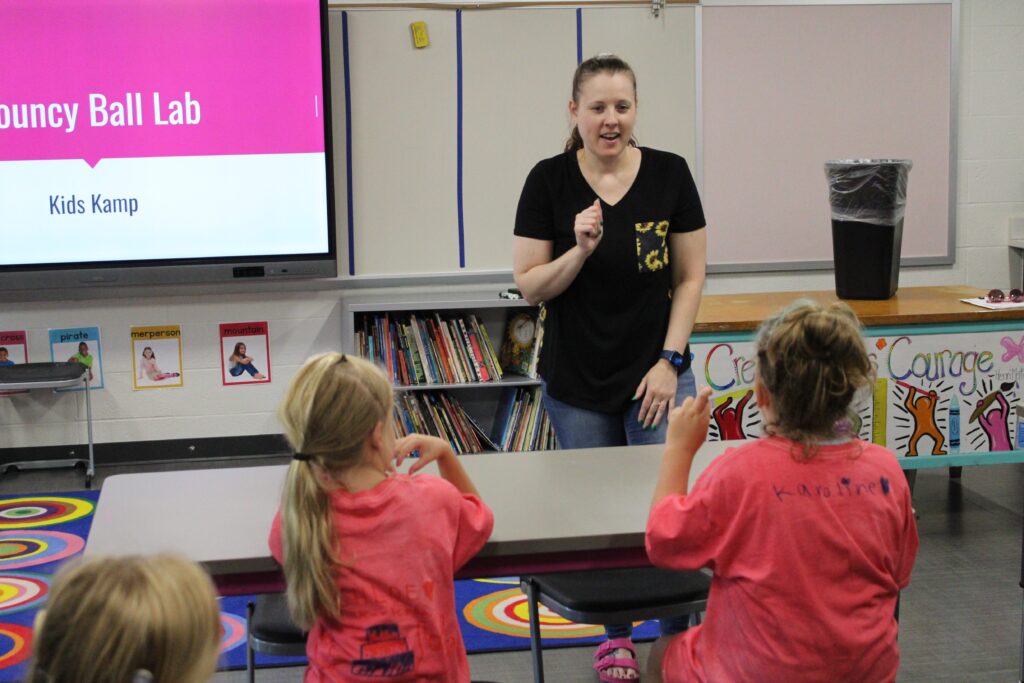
(610, 236)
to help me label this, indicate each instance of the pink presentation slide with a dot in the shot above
(100, 79)
(137, 130)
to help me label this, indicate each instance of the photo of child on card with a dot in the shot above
(79, 345)
(245, 353)
(156, 357)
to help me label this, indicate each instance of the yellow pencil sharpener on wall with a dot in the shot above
(419, 34)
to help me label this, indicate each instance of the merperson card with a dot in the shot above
(156, 357)
(245, 353)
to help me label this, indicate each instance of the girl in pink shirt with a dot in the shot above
(369, 554)
(809, 531)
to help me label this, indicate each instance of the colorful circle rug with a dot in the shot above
(35, 511)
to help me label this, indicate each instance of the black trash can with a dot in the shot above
(868, 199)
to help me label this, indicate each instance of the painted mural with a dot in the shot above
(935, 394)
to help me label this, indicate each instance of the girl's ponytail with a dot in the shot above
(309, 547)
(332, 404)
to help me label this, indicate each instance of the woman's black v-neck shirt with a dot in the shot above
(605, 331)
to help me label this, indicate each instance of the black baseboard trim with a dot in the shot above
(137, 452)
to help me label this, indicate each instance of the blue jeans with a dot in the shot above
(242, 367)
(581, 428)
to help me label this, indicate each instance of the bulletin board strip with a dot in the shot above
(348, 145)
(458, 135)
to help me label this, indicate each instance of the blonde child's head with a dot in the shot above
(119, 619)
(811, 361)
(332, 406)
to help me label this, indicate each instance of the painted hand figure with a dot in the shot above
(730, 419)
(922, 409)
(995, 419)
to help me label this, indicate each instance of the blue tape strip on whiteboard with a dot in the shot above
(458, 153)
(348, 146)
(579, 35)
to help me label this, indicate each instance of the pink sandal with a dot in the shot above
(604, 659)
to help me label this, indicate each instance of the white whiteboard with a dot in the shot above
(786, 88)
(756, 96)
(410, 214)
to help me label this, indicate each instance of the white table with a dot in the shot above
(553, 510)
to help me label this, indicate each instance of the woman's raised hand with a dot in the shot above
(589, 227)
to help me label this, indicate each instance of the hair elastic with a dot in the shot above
(304, 457)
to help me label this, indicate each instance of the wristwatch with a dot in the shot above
(676, 359)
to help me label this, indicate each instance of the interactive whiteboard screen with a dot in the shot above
(165, 141)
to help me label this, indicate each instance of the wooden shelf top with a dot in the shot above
(910, 306)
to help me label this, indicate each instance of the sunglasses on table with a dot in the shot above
(997, 296)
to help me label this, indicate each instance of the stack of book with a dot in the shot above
(438, 414)
(427, 348)
(523, 424)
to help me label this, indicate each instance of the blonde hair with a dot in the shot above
(332, 405)
(110, 618)
(811, 359)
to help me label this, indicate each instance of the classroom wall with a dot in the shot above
(304, 319)
(990, 168)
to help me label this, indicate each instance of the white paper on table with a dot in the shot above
(1003, 306)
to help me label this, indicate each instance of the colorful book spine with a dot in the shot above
(453, 350)
(488, 347)
(448, 371)
(429, 370)
(473, 349)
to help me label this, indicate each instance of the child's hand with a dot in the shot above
(688, 424)
(430, 449)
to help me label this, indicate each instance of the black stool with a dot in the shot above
(271, 631)
(612, 596)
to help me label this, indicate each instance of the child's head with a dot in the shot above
(110, 619)
(239, 349)
(3, 353)
(811, 361)
(148, 352)
(334, 407)
(83, 348)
